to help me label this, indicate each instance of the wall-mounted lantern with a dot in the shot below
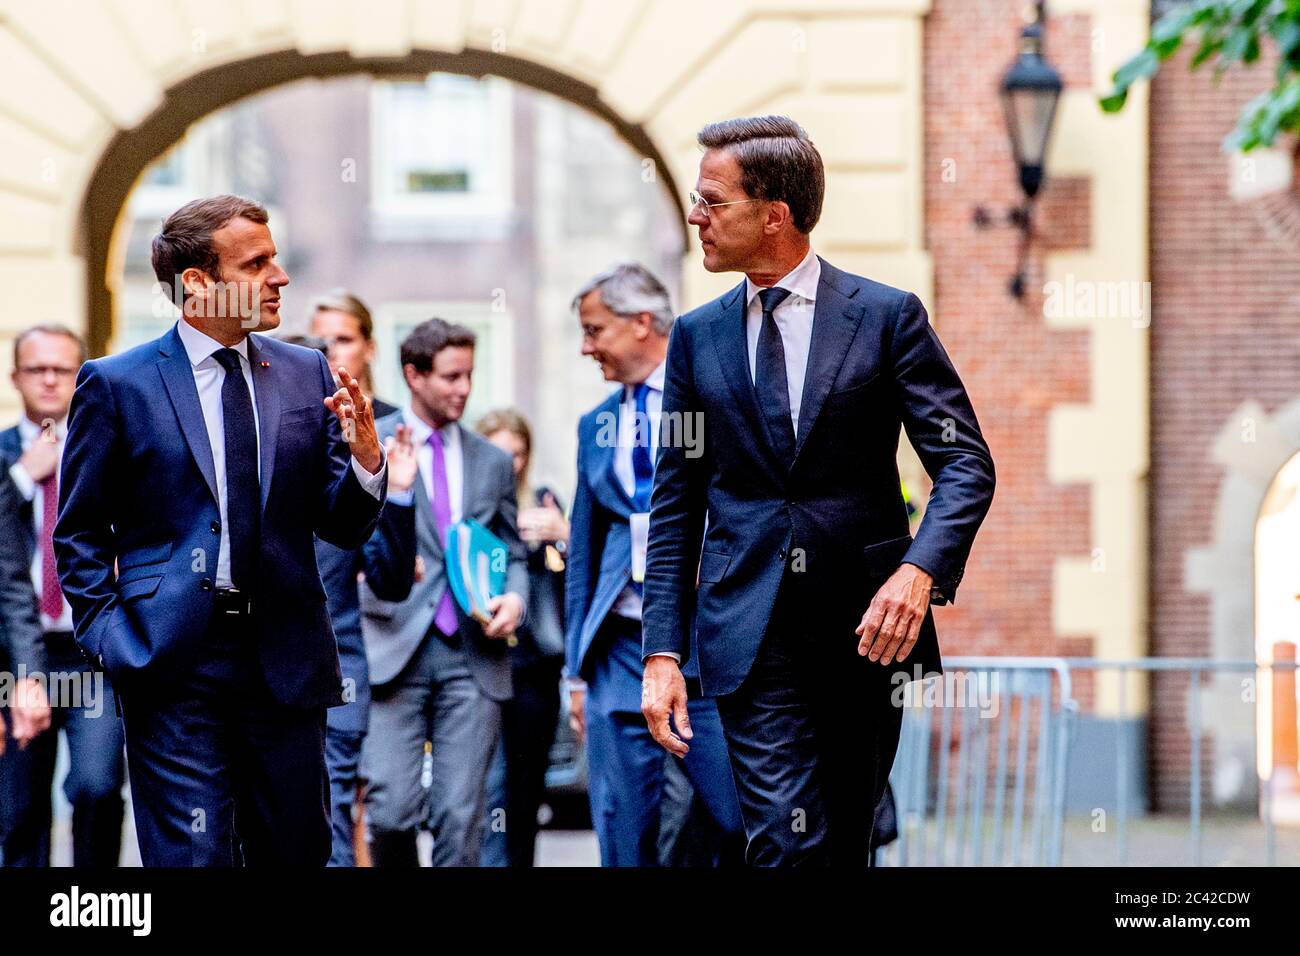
(1029, 91)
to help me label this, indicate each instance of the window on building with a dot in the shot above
(440, 152)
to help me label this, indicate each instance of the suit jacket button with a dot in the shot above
(216, 527)
(206, 584)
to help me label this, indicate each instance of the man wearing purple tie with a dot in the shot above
(436, 674)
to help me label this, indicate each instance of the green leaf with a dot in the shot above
(1140, 67)
(1114, 102)
(1210, 45)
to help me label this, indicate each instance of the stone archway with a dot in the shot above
(130, 151)
(1252, 446)
(82, 111)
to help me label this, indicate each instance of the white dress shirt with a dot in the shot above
(209, 377)
(453, 455)
(628, 603)
(794, 320)
(28, 430)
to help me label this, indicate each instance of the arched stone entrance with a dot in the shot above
(1253, 446)
(131, 150)
(83, 111)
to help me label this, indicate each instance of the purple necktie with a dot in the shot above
(445, 618)
(51, 593)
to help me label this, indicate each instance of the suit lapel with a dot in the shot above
(11, 446)
(728, 330)
(178, 378)
(424, 517)
(601, 476)
(469, 472)
(268, 412)
(835, 324)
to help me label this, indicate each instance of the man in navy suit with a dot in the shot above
(626, 317)
(813, 602)
(201, 464)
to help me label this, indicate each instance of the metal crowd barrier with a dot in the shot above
(1000, 801)
(984, 754)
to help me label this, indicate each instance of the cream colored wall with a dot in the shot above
(74, 72)
(1106, 441)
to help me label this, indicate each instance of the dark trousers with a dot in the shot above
(89, 721)
(626, 765)
(343, 760)
(221, 774)
(517, 780)
(812, 733)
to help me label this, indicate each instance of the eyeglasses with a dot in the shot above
(40, 371)
(699, 202)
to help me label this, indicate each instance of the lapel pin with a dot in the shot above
(264, 364)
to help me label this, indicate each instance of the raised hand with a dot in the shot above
(357, 420)
(401, 460)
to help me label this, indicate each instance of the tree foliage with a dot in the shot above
(1228, 32)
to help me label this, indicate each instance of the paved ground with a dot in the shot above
(554, 847)
(1152, 840)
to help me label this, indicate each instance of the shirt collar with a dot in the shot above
(801, 280)
(421, 430)
(199, 346)
(655, 380)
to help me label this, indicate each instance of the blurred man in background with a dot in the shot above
(439, 676)
(46, 361)
(626, 316)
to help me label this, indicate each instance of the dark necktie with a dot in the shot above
(770, 382)
(243, 493)
(643, 468)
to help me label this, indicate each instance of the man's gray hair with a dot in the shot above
(628, 289)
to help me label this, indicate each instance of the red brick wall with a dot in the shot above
(1225, 329)
(1013, 366)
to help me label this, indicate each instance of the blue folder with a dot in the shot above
(476, 567)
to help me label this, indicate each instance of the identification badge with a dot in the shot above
(640, 525)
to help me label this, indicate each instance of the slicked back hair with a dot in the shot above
(777, 162)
